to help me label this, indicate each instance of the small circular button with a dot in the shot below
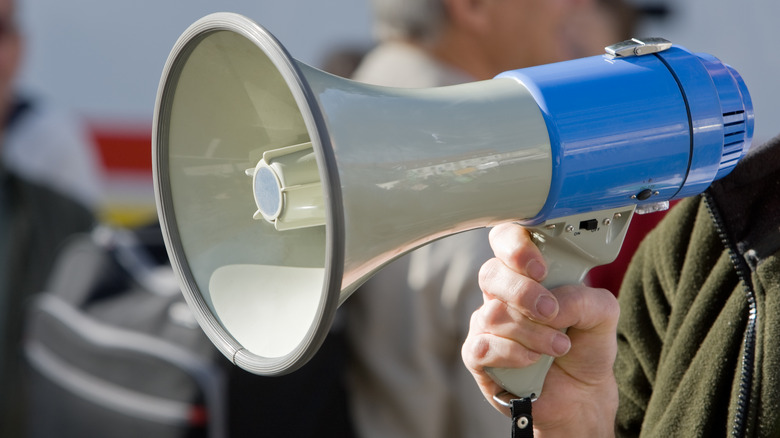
(644, 195)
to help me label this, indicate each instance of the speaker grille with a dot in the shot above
(734, 137)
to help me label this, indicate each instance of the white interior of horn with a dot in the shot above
(285, 309)
(231, 104)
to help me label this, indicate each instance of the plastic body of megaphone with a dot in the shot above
(281, 189)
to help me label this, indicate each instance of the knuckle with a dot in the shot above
(487, 272)
(516, 290)
(493, 313)
(519, 291)
(475, 350)
(474, 321)
(592, 306)
(481, 348)
(611, 306)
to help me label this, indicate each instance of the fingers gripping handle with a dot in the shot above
(571, 246)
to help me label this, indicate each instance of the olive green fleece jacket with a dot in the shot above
(699, 330)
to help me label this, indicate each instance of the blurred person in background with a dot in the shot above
(45, 196)
(428, 43)
(42, 143)
(406, 325)
(605, 23)
(343, 60)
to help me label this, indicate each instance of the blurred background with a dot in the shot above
(102, 60)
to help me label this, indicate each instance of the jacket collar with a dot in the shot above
(749, 202)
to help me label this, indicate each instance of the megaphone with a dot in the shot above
(281, 188)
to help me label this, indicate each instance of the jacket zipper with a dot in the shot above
(740, 426)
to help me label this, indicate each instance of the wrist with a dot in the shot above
(592, 414)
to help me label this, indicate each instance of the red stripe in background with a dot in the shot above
(124, 148)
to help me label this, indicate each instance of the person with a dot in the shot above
(604, 23)
(52, 148)
(405, 326)
(343, 60)
(41, 142)
(688, 347)
(35, 218)
(430, 43)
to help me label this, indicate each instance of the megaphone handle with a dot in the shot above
(571, 246)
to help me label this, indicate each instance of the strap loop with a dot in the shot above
(520, 408)
(522, 420)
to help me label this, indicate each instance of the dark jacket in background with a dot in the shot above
(39, 220)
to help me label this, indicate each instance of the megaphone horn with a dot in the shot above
(281, 188)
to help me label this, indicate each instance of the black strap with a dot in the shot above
(522, 421)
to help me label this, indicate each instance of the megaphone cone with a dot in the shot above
(242, 128)
(281, 188)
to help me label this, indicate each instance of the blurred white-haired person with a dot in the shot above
(407, 324)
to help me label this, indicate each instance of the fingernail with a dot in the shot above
(561, 344)
(536, 270)
(546, 306)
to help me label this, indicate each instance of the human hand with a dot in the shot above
(520, 320)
